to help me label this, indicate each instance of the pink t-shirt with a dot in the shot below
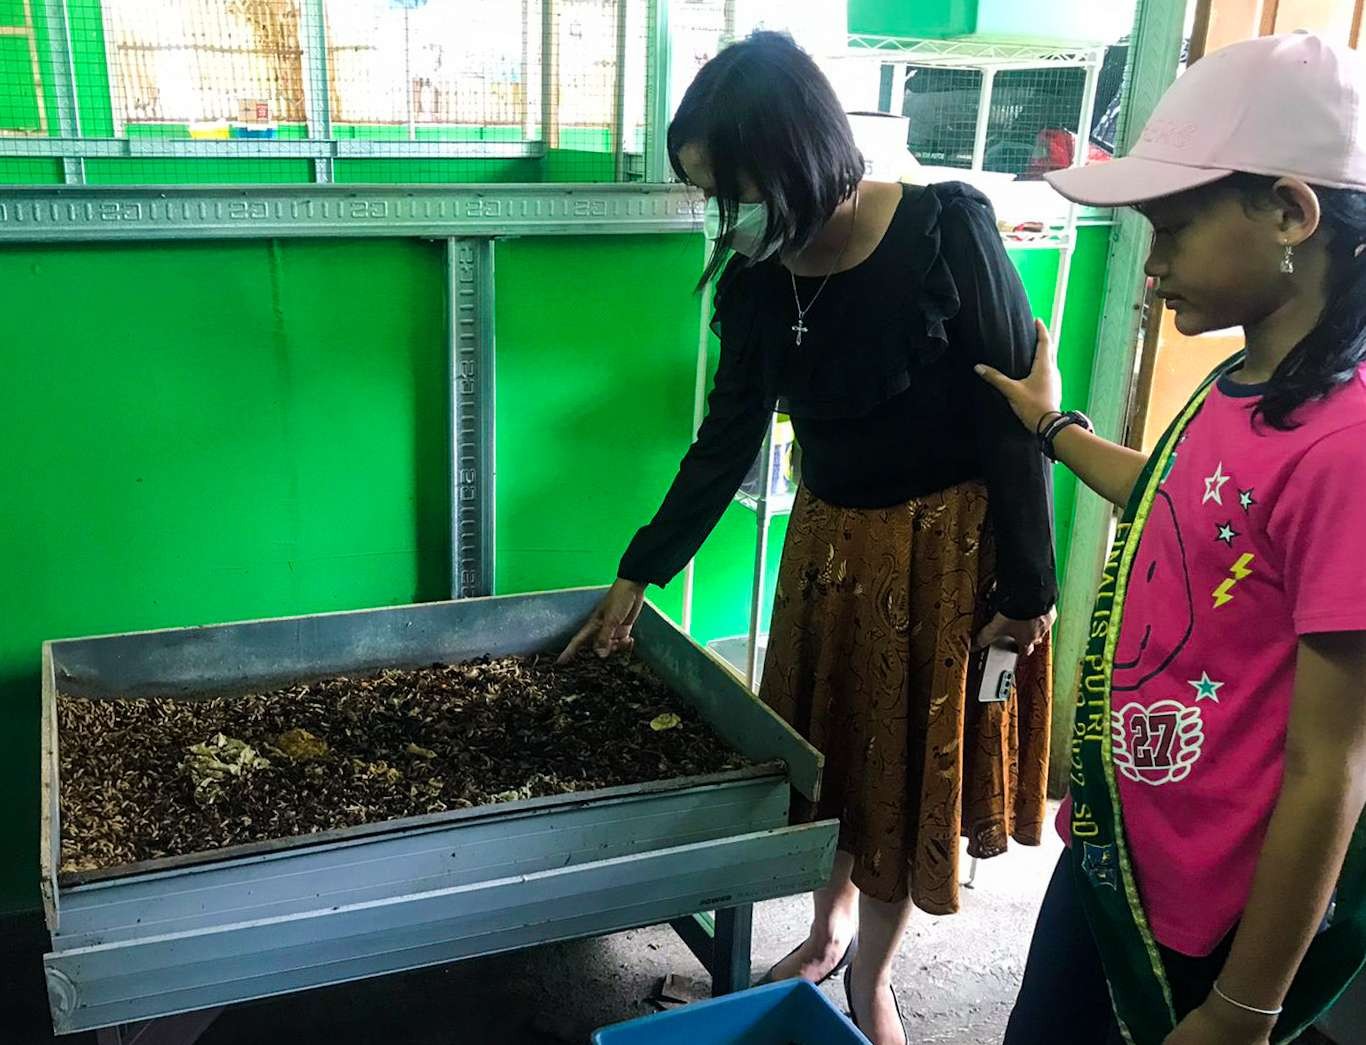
(1256, 537)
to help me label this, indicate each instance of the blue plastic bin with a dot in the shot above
(788, 1013)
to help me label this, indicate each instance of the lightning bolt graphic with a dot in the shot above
(1239, 571)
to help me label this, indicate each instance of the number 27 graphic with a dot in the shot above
(1154, 737)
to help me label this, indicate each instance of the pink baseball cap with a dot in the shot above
(1286, 106)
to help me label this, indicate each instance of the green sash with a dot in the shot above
(1100, 853)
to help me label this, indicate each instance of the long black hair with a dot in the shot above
(1328, 356)
(763, 108)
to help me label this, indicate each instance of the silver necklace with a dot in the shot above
(800, 328)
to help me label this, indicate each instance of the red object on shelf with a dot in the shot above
(1054, 149)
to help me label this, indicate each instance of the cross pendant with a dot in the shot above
(800, 329)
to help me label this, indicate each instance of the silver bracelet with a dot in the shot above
(1247, 1008)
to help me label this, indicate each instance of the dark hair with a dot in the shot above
(763, 108)
(1329, 355)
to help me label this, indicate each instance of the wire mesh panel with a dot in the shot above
(436, 91)
(1032, 127)
(698, 29)
(1031, 117)
(942, 106)
(233, 91)
(194, 63)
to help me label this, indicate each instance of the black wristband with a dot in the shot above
(1060, 425)
(1048, 418)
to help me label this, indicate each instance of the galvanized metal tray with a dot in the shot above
(168, 936)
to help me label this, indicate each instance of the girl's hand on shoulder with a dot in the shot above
(1215, 1023)
(1037, 395)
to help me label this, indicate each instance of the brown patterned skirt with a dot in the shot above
(869, 659)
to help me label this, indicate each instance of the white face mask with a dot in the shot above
(751, 222)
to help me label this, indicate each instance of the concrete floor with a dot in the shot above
(956, 977)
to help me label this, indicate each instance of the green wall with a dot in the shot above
(218, 431)
(596, 343)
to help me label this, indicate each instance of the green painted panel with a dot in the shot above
(219, 431)
(568, 165)
(45, 69)
(18, 95)
(435, 171)
(30, 172)
(585, 139)
(196, 171)
(91, 67)
(597, 345)
(1038, 270)
(927, 18)
(399, 132)
(12, 13)
(494, 133)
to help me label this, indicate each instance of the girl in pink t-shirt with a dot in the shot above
(1219, 751)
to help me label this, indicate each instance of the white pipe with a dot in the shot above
(979, 140)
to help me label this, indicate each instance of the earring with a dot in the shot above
(1288, 260)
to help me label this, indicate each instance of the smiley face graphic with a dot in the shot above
(1148, 644)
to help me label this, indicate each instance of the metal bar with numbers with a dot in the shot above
(58, 214)
(470, 264)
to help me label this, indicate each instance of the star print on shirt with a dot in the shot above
(1246, 499)
(1214, 485)
(1227, 533)
(1206, 688)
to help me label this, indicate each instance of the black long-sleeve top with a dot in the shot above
(883, 397)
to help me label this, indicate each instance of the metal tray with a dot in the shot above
(166, 936)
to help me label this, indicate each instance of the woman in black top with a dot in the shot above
(923, 522)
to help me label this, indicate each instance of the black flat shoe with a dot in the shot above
(853, 1016)
(840, 966)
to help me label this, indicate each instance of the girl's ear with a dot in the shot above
(1298, 210)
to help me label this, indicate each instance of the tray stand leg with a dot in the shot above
(722, 944)
(184, 1029)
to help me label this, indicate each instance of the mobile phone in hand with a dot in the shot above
(998, 671)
